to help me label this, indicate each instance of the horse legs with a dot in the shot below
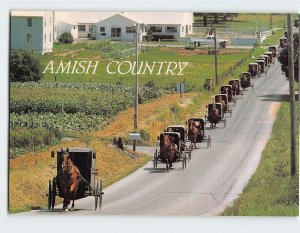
(167, 165)
(65, 205)
(72, 208)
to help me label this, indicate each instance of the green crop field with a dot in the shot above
(43, 113)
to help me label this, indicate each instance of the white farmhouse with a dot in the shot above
(32, 30)
(79, 24)
(160, 25)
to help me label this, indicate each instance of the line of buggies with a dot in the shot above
(263, 62)
(228, 93)
(178, 141)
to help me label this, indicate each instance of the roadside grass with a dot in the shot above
(272, 191)
(274, 39)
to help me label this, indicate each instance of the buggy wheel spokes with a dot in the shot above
(53, 193)
(100, 194)
(96, 192)
(155, 159)
(49, 195)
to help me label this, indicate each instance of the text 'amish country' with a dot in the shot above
(118, 67)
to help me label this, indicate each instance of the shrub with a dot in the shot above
(175, 108)
(66, 38)
(24, 66)
(145, 135)
(28, 138)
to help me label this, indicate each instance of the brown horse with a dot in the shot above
(235, 89)
(168, 152)
(68, 180)
(214, 117)
(193, 132)
(222, 102)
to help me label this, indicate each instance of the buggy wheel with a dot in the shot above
(53, 193)
(100, 194)
(49, 195)
(184, 161)
(96, 192)
(208, 141)
(155, 159)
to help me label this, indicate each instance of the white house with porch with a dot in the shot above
(174, 26)
(32, 30)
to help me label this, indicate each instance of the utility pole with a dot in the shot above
(136, 103)
(216, 57)
(271, 21)
(299, 63)
(292, 93)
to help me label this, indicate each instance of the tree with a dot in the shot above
(24, 66)
(283, 59)
(66, 38)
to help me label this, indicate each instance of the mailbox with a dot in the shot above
(134, 136)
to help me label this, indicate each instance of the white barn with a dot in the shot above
(119, 27)
(160, 25)
(32, 30)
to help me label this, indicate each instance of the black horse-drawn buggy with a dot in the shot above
(261, 62)
(271, 56)
(223, 100)
(236, 87)
(254, 69)
(245, 78)
(273, 49)
(183, 133)
(215, 115)
(76, 177)
(228, 90)
(201, 135)
(267, 60)
(171, 149)
(282, 42)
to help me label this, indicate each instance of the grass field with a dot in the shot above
(271, 190)
(261, 21)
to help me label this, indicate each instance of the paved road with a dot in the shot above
(214, 177)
